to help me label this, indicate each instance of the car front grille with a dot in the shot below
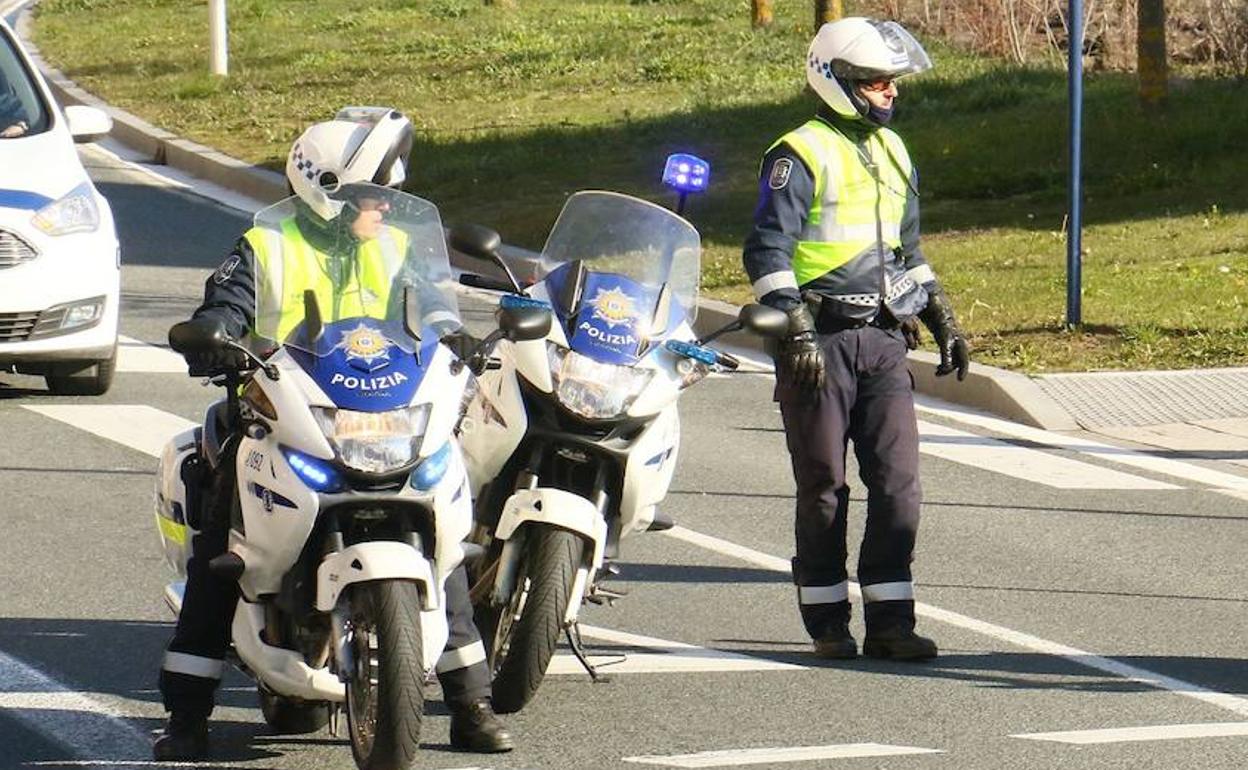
(14, 251)
(15, 327)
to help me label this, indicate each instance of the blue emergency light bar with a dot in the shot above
(690, 350)
(686, 173)
(515, 301)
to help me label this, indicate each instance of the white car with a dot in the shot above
(60, 263)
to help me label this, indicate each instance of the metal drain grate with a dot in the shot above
(1149, 398)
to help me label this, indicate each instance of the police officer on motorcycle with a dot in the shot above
(333, 229)
(835, 244)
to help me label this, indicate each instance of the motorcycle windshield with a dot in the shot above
(379, 247)
(622, 274)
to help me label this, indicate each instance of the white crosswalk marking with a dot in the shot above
(138, 356)
(137, 426)
(738, 757)
(1024, 463)
(1115, 454)
(1136, 734)
(648, 655)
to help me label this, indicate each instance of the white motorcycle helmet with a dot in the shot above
(361, 144)
(856, 49)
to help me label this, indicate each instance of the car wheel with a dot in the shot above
(92, 380)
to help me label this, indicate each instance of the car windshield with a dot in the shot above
(381, 257)
(623, 264)
(21, 109)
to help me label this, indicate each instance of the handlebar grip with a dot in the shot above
(729, 362)
(485, 282)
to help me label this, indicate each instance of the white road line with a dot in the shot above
(137, 426)
(736, 757)
(1027, 641)
(138, 356)
(661, 656)
(1024, 463)
(1100, 450)
(81, 724)
(1135, 734)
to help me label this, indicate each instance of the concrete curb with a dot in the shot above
(999, 391)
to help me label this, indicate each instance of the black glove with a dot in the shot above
(955, 353)
(203, 343)
(910, 333)
(208, 363)
(799, 359)
(466, 348)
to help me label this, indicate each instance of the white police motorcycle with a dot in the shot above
(571, 440)
(352, 497)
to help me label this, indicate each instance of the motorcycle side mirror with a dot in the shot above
(758, 319)
(521, 324)
(764, 321)
(480, 242)
(198, 335)
(476, 241)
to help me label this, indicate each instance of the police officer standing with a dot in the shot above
(835, 244)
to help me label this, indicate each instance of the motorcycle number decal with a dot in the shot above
(255, 460)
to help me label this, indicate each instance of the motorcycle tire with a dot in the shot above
(291, 716)
(385, 691)
(521, 635)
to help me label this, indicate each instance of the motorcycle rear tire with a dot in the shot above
(520, 650)
(384, 720)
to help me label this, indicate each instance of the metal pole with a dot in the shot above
(217, 38)
(1074, 233)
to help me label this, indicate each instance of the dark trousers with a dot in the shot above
(194, 658)
(868, 398)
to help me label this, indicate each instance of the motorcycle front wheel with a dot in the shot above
(521, 635)
(385, 695)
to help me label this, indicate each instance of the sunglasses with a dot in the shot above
(881, 84)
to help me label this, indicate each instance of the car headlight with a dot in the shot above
(76, 212)
(594, 390)
(375, 442)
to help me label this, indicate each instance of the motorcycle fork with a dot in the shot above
(595, 593)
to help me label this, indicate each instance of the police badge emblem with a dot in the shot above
(780, 171)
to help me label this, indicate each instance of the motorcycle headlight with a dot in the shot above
(375, 442)
(594, 390)
(76, 212)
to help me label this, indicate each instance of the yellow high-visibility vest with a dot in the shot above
(287, 266)
(841, 223)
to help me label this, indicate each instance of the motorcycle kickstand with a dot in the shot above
(578, 649)
(335, 710)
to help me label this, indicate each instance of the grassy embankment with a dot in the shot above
(516, 109)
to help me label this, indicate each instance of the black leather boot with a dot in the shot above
(839, 644)
(898, 644)
(474, 727)
(183, 740)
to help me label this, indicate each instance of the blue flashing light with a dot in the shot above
(686, 173)
(317, 474)
(689, 350)
(514, 301)
(432, 468)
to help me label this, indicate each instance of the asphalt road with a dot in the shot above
(1069, 592)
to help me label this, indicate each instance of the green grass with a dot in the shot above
(517, 109)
